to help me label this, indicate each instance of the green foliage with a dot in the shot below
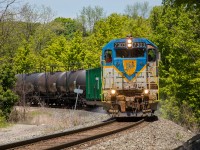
(24, 58)
(7, 101)
(2, 120)
(7, 97)
(117, 26)
(70, 26)
(43, 36)
(55, 54)
(7, 77)
(75, 54)
(176, 32)
(187, 3)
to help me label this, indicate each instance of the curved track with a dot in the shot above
(72, 138)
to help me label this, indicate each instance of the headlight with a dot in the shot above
(129, 45)
(146, 91)
(113, 92)
(129, 41)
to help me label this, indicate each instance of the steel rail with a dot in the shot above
(51, 136)
(77, 142)
(72, 138)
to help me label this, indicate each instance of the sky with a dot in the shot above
(71, 8)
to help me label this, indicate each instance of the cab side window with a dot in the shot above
(108, 56)
(151, 55)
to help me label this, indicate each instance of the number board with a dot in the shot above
(139, 44)
(135, 45)
(120, 45)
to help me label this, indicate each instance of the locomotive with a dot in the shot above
(127, 81)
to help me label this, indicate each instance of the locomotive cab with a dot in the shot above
(130, 78)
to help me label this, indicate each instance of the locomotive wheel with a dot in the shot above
(136, 111)
(114, 109)
(137, 108)
(152, 112)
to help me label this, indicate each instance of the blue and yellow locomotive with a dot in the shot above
(128, 78)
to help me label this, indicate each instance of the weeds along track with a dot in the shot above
(71, 138)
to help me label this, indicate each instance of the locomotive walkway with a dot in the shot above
(71, 138)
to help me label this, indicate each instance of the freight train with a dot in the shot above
(126, 82)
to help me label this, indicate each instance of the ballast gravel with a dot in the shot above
(158, 135)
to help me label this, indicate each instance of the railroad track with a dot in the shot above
(72, 138)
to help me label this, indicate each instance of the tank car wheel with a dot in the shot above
(42, 103)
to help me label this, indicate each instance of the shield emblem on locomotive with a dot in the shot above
(129, 66)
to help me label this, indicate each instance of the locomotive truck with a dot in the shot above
(126, 82)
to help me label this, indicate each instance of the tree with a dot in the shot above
(19, 46)
(7, 30)
(55, 54)
(24, 58)
(33, 18)
(188, 3)
(7, 97)
(75, 53)
(35, 33)
(4, 11)
(117, 26)
(7, 50)
(155, 16)
(176, 32)
(136, 10)
(69, 27)
(89, 16)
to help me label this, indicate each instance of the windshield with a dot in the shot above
(130, 53)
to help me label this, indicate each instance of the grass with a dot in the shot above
(2, 122)
(53, 119)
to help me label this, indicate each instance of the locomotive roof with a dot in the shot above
(111, 43)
